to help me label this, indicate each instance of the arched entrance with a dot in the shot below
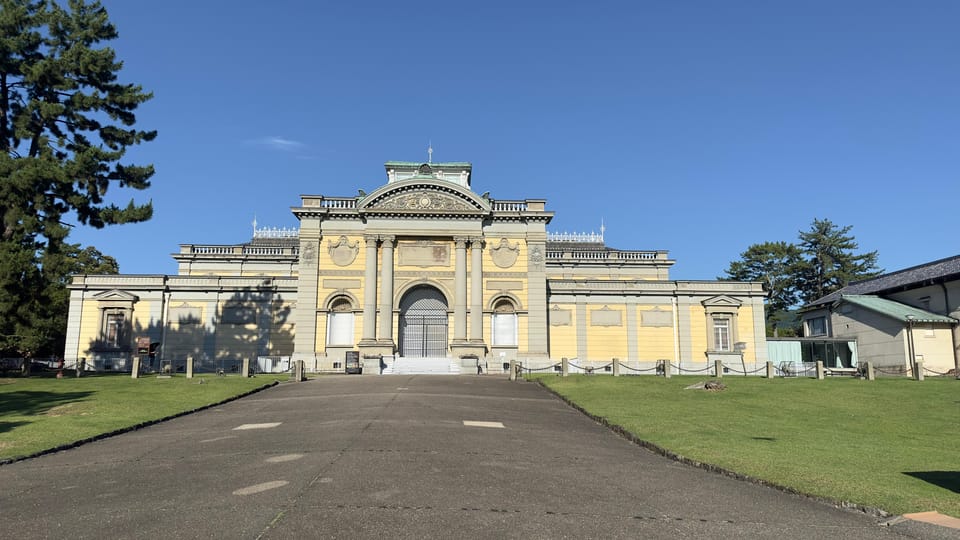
(423, 323)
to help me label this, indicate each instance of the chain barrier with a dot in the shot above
(737, 371)
(885, 372)
(531, 370)
(654, 368)
(925, 368)
(681, 370)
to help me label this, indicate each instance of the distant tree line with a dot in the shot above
(822, 261)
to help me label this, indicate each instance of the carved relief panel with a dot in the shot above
(504, 254)
(343, 252)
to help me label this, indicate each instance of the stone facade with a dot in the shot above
(421, 269)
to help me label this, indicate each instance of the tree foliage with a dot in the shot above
(830, 263)
(823, 261)
(65, 125)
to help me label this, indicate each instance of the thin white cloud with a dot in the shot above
(279, 143)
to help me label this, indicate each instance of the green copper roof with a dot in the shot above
(896, 310)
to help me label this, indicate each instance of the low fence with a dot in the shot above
(667, 368)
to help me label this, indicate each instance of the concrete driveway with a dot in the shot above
(398, 457)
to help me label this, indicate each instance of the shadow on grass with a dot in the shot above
(31, 402)
(945, 479)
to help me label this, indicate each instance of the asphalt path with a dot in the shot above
(398, 457)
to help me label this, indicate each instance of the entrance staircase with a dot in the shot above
(422, 366)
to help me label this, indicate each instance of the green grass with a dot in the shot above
(893, 444)
(39, 413)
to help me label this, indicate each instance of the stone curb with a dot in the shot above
(134, 427)
(620, 430)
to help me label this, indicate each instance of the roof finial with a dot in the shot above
(602, 229)
(430, 152)
(254, 224)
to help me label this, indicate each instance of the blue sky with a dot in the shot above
(698, 127)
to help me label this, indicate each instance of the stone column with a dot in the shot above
(460, 292)
(386, 290)
(370, 291)
(305, 316)
(476, 289)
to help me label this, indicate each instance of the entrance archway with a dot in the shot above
(423, 323)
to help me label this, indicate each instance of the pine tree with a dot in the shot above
(775, 264)
(830, 262)
(65, 125)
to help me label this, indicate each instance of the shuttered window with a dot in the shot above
(504, 324)
(340, 323)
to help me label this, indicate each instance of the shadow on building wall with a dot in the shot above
(252, 324)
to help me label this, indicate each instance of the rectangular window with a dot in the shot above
(817, 326)
(113, 330)
(340, 329)
(505, 329)
(721, 334)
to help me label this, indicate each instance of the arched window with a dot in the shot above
(504, 323)
(340, 322)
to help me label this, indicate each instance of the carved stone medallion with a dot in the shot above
(343, 252)
(503, 254)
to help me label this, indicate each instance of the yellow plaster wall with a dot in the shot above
(606, 342)
(89, 326)
(698, 333)
(655, 343)
(745, 332)
(563, 339)
(357, 267)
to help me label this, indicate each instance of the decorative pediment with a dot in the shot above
(418, 196)
(722, 304)
(116, 295)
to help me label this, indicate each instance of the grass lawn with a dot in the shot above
(890, 443)
(42, 412)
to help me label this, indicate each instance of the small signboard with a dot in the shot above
(352, 363)
(143, 345)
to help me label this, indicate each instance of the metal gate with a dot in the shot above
(423, 324)
(423, 336)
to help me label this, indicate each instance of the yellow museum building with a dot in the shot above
(420, 275)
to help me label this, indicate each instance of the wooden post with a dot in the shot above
(770, 371)
(135, 371)
(616, 367)
(245, 370)
(819, 370)
(718, 369)
(564, 367)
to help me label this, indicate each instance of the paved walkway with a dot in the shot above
(397, 457)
